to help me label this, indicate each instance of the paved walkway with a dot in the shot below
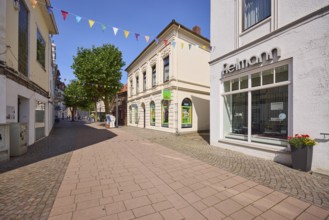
(130, 177)
(87, 172)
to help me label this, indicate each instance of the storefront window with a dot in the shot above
(152, 114)
(165, 113)
(268, 113)
(186, 113)
(236, 116)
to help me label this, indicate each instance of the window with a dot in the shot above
(131, 87)
(166, 69)
(130, 115)
(144, 81)
(41, 49)
(137, 84)
(23, 40)
(152, 114)
(255, 11)
(136, 114)
(186, 113)
(267, 110)
(165, 113)
(154, 75)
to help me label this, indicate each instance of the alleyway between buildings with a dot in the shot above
(83, 171)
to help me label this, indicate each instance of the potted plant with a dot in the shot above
(301, 151)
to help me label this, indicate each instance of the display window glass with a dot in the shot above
(258, 113)
(152, 114)
(186, 109)
(165, 113)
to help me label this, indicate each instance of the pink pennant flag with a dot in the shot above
(64, 14)
(115, 30)
(137, 36)
(126, 33)
(165, 42)
(147, 38)
(91, 23)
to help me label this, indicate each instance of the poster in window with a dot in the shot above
(152, 114)
(10, 113)
(186, 114)
(165, 113)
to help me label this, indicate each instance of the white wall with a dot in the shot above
(308, 47)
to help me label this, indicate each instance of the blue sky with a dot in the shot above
(146, 17)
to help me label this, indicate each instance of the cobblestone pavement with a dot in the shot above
(312, 188)
(29, 183)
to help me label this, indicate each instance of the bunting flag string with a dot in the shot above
(115, 29)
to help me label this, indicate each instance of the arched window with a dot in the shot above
(130, 115)
(152, 114)
(165, 113)
(186, 113)
(136, 114)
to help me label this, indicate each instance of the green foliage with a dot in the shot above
(301, 140)
(75, 96)
(99, 70)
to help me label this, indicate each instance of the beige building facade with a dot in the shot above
(168, 83)
(26, 76)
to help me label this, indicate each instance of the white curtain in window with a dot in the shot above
(256, 11)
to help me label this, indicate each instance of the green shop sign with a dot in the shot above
(166, 94)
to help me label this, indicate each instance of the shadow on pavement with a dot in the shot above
(66, 136)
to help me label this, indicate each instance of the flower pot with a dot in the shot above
(302, 158)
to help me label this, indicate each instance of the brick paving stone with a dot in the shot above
(309, 187)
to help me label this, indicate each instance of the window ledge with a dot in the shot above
(255, 26)
(263, 147)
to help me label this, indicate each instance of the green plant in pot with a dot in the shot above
(301, 151)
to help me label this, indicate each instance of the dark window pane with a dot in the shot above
(281, 74)
(255, 11)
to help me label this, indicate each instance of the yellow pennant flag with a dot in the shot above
(147, 38)
(182, 45)
(126, 33)
(204, 47)
(91, 23)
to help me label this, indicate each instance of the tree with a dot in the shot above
(75, 97)
(99, 70)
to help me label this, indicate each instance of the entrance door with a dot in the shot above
(144, 115)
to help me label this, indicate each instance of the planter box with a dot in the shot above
(302, 158)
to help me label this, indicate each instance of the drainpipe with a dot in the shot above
(177, 106)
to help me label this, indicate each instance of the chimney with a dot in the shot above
(196, 29)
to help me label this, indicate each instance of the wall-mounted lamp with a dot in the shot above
(16, 4)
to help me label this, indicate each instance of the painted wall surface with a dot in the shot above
(3, 99)
(37, 73)
(307, 45)
(188, 78)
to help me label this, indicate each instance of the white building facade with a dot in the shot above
(269, 76)
(26, 79)
(168, 83)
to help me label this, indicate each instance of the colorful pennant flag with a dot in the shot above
(182, 45)
(103, 27)
(173, 43)
(126, 33)
(91, 23)
(165, 42)
(137, 36)
(147, 38)
(115, 30)
(189, 46)
(156, 40)
(64, 14)
(78, 19)
(50, 9)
